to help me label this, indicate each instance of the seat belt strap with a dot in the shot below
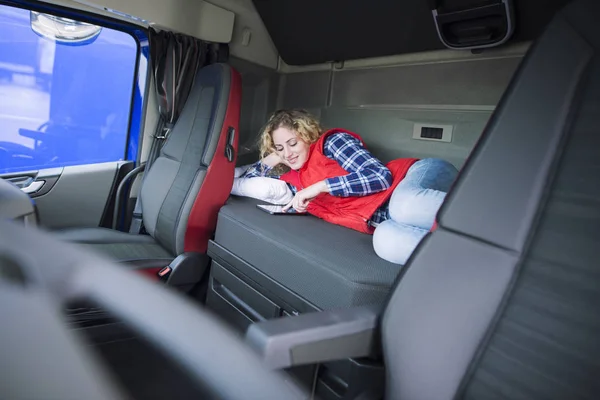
(162, 133)
(136, 220)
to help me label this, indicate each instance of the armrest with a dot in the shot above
(316, 337)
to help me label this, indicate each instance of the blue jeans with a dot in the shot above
(412, 209)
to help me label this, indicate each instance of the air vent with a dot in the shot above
(431, 133)
(439, 133)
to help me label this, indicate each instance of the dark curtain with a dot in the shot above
(175, 59)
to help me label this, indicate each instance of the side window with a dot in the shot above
(65, 91)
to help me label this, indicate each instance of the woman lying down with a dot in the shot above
(334, 177)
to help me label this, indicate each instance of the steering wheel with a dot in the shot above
(43, 359)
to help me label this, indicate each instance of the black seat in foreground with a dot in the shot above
(185, 186)
(501, 301)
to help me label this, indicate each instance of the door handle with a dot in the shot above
(33, 187)
(27, 184)
(229, 149)
(37, 183)
(21, 181)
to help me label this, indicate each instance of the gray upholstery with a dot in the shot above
(525, 155)
(101, 236)
(328, 265)
(175, 178)
(115, 244)
(502, 300)
(547, 339)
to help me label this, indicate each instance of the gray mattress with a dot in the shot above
(327, 265)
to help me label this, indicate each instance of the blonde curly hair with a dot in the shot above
(302, 122)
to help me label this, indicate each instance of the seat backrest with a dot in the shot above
(502, 300)
(192, 177)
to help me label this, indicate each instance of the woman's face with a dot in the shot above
(290, 148)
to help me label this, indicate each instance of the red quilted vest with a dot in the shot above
(351, 212)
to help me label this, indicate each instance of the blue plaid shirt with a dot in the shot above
(367, 175)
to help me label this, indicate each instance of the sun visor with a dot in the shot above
(215, 24)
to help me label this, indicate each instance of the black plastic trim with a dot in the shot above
(187, 269)
(107, 215)
(228, 286)
(50, 181)
(293, 304)
(483, 26)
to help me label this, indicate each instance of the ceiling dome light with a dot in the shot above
(63, 30)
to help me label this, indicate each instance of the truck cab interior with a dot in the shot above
(129, 270)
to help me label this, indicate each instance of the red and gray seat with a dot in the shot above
(187, 183)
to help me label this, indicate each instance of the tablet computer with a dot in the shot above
(276, 210)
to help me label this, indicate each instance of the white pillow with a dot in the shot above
(239, 171)
(266, 189)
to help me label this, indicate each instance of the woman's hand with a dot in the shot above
(305, 196)
(272, 160)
